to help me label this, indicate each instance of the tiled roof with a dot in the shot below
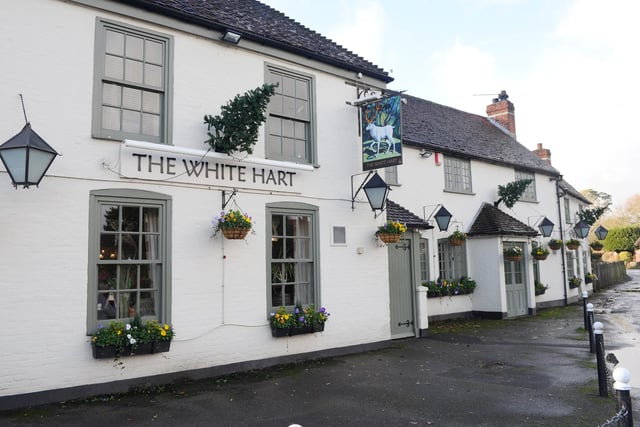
(569, 189)
(261, 23)
(395, 212)
(436, 127)
(492, 221)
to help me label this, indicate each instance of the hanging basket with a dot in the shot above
(235, 233)
(555, 245)
(540, 257)
(572, 246)
(515, 258)
(389, 237)
(456, 242)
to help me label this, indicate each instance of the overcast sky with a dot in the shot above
(570, 67)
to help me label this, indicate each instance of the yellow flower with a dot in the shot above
(166, 327)
(163, 332)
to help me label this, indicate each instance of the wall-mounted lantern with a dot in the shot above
(601, 233)
(582, 229)
(545, 227)
(27, 157)
(376, 191)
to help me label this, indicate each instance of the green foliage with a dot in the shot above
(511, 193)
(621, 239)
(590, 216)
(540, 288)
(625, 256)
(442, 288)
(236, 128)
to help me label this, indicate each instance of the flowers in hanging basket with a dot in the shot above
(540, 252)
(457, 238)
(233, 224)
(392, 227)
(590, 277)
(572, 244)
(597, 245)
(555, 244)
(540, 288)
(391, 231)
(512, 252)
(443, 287)
(574, 282)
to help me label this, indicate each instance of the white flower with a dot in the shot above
(132, 340)
(128, 326)
(129, 336)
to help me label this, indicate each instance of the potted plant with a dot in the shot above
(160, 335)
(233, 224)
(574, 282)
(281, 323)
(512, 253)
(597, 245)
(391, 231)
(316, 318)
(443, 287)
(540, 288)
(457, 238)
(590, 277)
(109, 341)
(539, 253)
(572, 244)
(300, 321)
(555, 244)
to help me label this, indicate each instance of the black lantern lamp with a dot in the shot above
(27, 157)
(601, 233)
(376, 191)
(443, 218)
(545, 227)
(581, 229)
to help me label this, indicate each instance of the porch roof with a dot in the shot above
(395, 212)
(492, 221)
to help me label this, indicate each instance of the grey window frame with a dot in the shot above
(273, 116)
(567, 211)
(529, 194)
(457, 175)
(293, 209)
(165, 91)
(98, 198)
(423, 256)
(391, 175)
(452, 260)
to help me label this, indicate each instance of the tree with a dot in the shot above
(622, 239)
(597, 198)
(236, 128)
(511, 193)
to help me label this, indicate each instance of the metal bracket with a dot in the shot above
(226, 201)
(407, 323)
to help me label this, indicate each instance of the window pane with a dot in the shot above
(153, 75)
(288, 87)
(151, 124)
(153, 52)
(147, 305)
(133, 71)
(114, 43)
(131, 121)
(111, 118)
(114, 67)
(131, 98)
(112, 95)
(151, 102)
(134, 47)
(302, 90)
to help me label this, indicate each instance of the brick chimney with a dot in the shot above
(543, 153)
(503, 112)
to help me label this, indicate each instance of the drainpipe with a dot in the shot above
(562, 253)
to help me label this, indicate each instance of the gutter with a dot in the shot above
(562, 251)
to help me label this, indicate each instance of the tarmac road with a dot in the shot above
(534, 371)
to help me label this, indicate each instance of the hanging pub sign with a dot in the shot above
(381, 134)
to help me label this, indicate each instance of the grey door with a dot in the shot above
(401, 289)
(516, 287)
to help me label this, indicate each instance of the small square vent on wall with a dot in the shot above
(339, 235)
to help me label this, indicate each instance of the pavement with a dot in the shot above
(534, 371)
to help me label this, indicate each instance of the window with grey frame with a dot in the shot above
(567, 211)
(452, 260)
(289, 119)
(423, 248)
(529, 194)
(391, 175)
(457, 175)
(128, 258)
(131, 94)
(293, 260)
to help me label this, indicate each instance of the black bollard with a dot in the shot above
(602, 367)
(592, 347)
(584, 309)
(623, 396)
